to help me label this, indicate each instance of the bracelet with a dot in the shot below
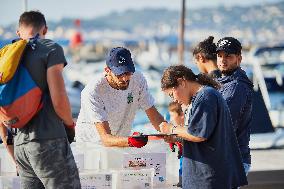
(173, 127)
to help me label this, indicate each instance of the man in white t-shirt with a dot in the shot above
(109, 104)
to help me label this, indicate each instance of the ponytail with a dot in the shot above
(204, 79)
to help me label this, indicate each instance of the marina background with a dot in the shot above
(88, 29)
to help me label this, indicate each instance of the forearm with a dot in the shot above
(3, 132)
(63, 110)
(182, 133)
(109, 140)
(155, 117)
(58, 93)
(10, 147)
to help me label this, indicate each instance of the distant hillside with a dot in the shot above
(221, 18)
(126, 20)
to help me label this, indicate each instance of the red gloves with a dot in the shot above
(137, 140)
(172, 147)
(179, 146)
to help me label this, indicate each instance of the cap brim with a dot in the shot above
(122, 69)
(227, 50)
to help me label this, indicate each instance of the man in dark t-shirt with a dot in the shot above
(41, 149)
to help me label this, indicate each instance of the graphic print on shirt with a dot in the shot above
(129, 98)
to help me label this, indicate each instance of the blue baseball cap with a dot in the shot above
(229, 45)
(119, 61)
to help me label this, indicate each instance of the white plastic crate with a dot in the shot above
(79, 160)
(154, 155)
(92, 158)
(86, 157)
(7, 165)
(157, 161)
(138, 179)
(107, 160)
(10, 182)
(111, 158)
(97, 180)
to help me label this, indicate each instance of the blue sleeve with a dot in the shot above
(203, 117)
(235, 95)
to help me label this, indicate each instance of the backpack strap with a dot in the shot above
(32, 41)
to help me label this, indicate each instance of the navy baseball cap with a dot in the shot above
(230, 45)
(119, 61)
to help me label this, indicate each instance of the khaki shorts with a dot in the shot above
(47, 164)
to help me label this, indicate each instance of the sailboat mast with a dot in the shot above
(25, 5)
(181, 35)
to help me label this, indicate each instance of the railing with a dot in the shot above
(259, 80)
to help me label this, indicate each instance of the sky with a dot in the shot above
(55, 10)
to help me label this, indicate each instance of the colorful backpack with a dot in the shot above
(20, 97)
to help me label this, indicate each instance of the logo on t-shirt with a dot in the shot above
(129, 98)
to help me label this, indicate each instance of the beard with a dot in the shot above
(122, 85)
(228, 71)
(119, 85)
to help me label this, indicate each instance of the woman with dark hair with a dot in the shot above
(210, 150)
(205, 57)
